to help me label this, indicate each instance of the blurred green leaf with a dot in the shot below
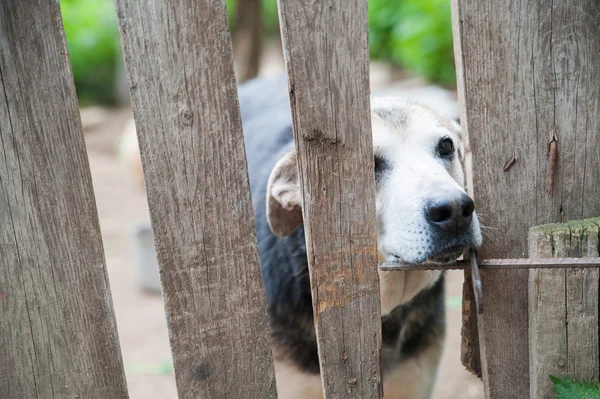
(415, 34)
(454, 302)
(93, 41)
(421, 40)
(163, 368)
(566, 388)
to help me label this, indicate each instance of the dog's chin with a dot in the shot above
(448, 255)
(443, 256)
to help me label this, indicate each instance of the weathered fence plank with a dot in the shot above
(582, 306)
(326, 54)
(563, 307)
(58, 335)
(179, 61)
(527, 76)
(547, 313)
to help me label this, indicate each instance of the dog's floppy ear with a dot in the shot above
(284, 212)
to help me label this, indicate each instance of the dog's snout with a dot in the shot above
(451, 215)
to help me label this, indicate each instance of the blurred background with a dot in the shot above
(411, 55)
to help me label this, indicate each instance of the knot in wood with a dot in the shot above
(321, 136)
(187, 116)
(202, 372)
(561, 362)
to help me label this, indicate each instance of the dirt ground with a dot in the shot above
(140, 315)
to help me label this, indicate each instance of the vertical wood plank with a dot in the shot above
(58, 336)
(180, 68)
(547, 309)
(563, 307)
(326, 54)
(582, 305)
(527, 76)
(470, 349)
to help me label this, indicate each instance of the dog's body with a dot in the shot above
(424, 216)
(412, 302)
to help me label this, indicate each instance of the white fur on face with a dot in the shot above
(406, 137)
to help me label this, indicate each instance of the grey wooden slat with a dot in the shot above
(527, 72)
(470, 348)
(179, 62)
(326, 54)
(58, 336)
(582, 305)
(547, 312)
(563, 307)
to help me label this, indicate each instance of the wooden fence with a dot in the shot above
(57, 332)
(527, 73)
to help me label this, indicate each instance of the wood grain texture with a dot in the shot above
(547, 313)
(582, 306)
(179, 61)
(470, 351)
(563, 307)
(326, 54)
(528, 72)
(58, 337)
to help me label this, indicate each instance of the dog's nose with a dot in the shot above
(451, 215)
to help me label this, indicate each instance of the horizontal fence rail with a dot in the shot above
(525, 263)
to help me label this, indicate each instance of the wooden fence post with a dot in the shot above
(563, 307)
(326, 54)
(58, 336)
(527, 78)
(179, 61)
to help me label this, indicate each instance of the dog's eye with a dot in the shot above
(381, 165)
(446, 147)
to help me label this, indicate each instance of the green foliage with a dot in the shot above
(566, 388)
(416, 34)
(163, 368)
(93, 40)
(270, 19)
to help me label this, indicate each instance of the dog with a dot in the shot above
(424, 216)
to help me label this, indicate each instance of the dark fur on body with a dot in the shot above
(407, 331)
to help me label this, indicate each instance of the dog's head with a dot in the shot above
(423, 210)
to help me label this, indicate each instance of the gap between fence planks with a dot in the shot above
(179, 62)
(326, 54)
(58, 336)
(247, 40)
(563, 307)
(527, 72)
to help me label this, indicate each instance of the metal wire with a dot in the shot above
(524, 263)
